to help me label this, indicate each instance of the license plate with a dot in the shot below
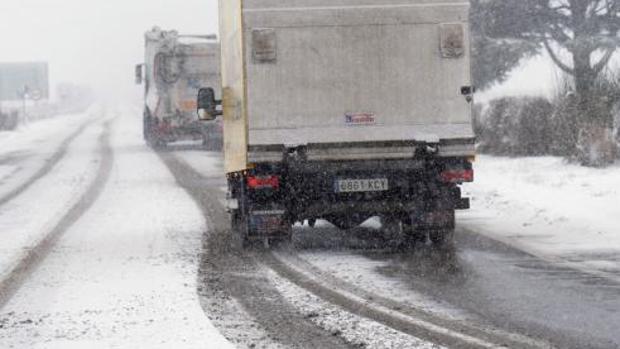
(361, 185)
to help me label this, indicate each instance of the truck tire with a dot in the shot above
(411, 233)
(344, 222)
(239, 229)
(282, 240)
(149, 136)
(392, 229)
(442, 238)
(159, 143)
(442, 235)
(146, 128)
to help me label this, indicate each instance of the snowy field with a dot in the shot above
(550, 208)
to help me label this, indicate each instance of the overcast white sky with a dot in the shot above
(98, 42)
(94, 42)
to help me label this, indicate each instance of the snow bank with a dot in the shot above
(549, 207)
(51, 129)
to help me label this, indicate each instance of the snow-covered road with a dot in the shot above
(29, 151)
(29, 217)
(124, 275)
(129, 264)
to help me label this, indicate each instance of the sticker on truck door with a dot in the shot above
(264, 45)
(359, 119)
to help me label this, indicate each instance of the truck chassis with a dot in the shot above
(419, 201)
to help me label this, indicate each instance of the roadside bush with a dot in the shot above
(564, 127)
(616, 113)
(518, 126)
(478, 122)
(531, 126)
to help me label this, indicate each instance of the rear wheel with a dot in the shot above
(286, 238)
(412, 235)
(240, 228)
(345, 222)
(442, 237)
(392, 229)
(147, 128)
(150, 136)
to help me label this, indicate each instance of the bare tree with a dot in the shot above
(493, 58)
(581, 37)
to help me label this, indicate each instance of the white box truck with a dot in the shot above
(343, 110)
(175, 67)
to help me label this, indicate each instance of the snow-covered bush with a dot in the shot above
(616, 113)
(516, 126)
(530, 126)
(564, 126)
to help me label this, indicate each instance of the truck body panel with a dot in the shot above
(347, 72)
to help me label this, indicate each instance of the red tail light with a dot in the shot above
(457, 176)
(263, 182)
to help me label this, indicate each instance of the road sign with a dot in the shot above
(17, 79)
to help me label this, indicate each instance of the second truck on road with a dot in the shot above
(175, 67)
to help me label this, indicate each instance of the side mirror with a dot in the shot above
(139, 77)
(468, 92)
(207, 104)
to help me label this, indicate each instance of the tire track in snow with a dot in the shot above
(35, 256)
(227, 273)
(220, 255)
(401, 317)
(50, 163)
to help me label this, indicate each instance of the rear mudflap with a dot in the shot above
(267, 223)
